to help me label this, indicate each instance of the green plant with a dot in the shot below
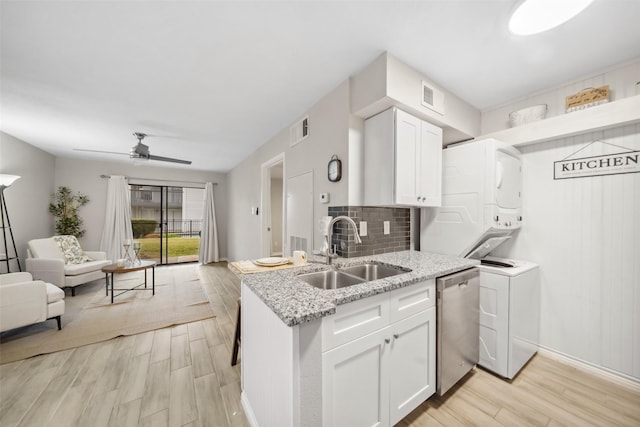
(64, 207)
(143, 226)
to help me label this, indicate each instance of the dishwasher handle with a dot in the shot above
(461, 278)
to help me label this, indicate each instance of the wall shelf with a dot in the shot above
(617, 113)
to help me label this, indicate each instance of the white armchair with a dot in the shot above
(46, 261)
(24, 301)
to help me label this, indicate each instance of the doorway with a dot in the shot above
(166, 222)
(272, 222)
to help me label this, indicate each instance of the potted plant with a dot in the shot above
(64, 207)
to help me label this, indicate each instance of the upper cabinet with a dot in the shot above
(388, 82)
(402, 161)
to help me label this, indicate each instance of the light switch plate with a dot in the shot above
(363, 228)
(386, 227)
(324, 197)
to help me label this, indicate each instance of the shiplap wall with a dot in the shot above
(622, 81)
(585, 234)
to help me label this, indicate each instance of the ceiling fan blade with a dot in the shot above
(168, 159)
(99, 151)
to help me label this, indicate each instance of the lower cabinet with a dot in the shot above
(413, 363)
(377, 379)
(355, 382)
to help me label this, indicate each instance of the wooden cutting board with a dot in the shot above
(247, 267)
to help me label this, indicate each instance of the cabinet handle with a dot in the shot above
(387, 340)
(424, 198)
(396, 336)
(418, 198)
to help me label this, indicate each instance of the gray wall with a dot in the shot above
(28, 198)
(328, 135)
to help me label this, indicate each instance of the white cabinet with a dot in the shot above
(413, 363)
(376, 379)
(355, 382)
(509, 317)
(402, 160)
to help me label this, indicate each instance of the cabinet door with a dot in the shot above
(408, 134)
(494, 322)
(413, 363)
(429, 173)
(355, 382)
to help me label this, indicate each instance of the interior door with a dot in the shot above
(299, 224)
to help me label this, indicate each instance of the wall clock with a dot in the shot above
(334, 169)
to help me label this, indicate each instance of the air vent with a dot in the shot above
(299, 131)
(432, 98)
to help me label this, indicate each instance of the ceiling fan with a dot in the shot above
(140, 151)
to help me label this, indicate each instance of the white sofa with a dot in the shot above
(24, 301)
(46, 261)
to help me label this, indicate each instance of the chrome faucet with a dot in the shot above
(331, 254)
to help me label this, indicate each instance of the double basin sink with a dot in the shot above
(349, 276)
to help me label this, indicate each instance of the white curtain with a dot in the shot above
(117, 219)
(209, 251)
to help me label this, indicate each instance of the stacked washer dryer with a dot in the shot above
(481, 208)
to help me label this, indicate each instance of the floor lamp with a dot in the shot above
(5, 182)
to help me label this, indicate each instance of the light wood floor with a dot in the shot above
(181, 376)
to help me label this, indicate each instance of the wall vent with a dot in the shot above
(299, 131)
(298, 244)
(432, 98)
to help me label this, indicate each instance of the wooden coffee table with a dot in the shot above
(128, 268)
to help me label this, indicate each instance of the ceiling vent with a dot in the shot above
(432, 98)
(299, 131)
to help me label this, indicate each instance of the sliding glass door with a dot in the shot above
(166, 222)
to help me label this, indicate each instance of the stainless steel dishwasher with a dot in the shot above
(457, 308)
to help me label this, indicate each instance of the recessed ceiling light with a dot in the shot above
(536, 16)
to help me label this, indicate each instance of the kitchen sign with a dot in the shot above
(606, 164)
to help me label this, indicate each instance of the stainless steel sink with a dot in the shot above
(349, 276)
(372, 271)
(330, 279)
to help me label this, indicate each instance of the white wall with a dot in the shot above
(84, 176)
(328, 135)
(388, 82)
(621, 79)
(28, 198)
(585, 234)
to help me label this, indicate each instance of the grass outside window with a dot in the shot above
(177, 246)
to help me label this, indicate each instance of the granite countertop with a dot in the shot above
(296, 302)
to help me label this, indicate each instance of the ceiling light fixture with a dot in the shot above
(536, 16)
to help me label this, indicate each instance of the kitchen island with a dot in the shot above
(363, 354)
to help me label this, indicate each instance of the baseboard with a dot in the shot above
(604, 373)
(248, 411)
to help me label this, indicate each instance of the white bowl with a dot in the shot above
(527, 115)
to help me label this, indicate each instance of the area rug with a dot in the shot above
(90, 317)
